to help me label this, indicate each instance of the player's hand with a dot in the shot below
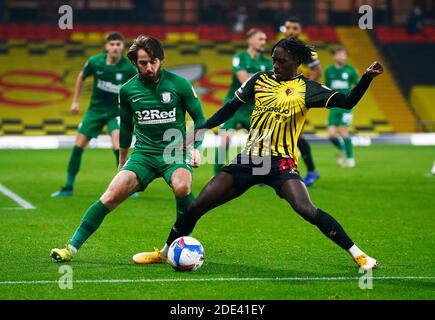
(375, 69)
(75, 106)
(196, 158)
(121, 163)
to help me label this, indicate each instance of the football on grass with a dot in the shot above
(186, 254)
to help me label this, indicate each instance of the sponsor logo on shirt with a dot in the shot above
(156, 116)
(166, 97)
(108, 86)
(339, 84)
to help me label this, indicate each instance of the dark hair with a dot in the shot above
(253, 31)
(151, 46)
(293, 19)
(337, 49)
(297, 48)
(114, 35)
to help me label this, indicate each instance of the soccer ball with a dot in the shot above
(186, 254)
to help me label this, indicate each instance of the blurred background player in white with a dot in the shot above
(341, 77)
(245, 64)
(312, 71)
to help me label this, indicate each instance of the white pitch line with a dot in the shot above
(221, 279)
(8, 193)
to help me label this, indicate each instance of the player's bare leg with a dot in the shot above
(181, 184)
(114, 136)
(296, 194)
(74, 165)
(218, 191)
(221, 151)
(343, 131)
(338, 143)
(122, 185)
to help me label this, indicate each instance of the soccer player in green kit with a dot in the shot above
(245, 64)
(152, 103)
(110, 70)
(341, 77)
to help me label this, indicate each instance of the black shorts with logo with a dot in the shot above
(251, 170)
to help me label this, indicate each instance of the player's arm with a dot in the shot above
(75, 106)
(242, 76)
(348, 101)
(126, 127)
(239, 69)
(86, 72)
(194, 108)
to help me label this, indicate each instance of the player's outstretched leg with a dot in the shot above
(305, 149)
(73, 166)
(295, 192)
(220, 152)
(180, 181)
(124, 183)
(219, 190)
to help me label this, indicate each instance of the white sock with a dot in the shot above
(355, 251)
(72, 248)
(165, 250)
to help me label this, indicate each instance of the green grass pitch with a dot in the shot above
(386, 204)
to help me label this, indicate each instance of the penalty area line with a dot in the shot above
(289, 279)
(13, 196)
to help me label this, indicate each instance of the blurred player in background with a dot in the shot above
(341, 77)
(110, 70)
(245, 64)
(153, 104)
(312, 71)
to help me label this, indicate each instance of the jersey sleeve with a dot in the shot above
(239, 64)
(193, 106)
(355, 77)
(328, 77)
(247, 90)
(318, 95)
(88, 68)
(126, 121)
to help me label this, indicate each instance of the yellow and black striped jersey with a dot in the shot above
(280, 111)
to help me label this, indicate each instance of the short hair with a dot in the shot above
(337, 49)
(114, 35)
(151, 46)
(299, 49)
(293, 19)
(253, 31)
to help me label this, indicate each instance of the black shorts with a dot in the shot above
(273, 171)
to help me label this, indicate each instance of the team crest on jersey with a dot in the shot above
(289, 91)
(166, 97)
(119, 76)
(345, 75)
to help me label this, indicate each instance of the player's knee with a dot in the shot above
(110, 199)
(182, 189)
(305, 210)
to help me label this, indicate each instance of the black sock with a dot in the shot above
(305, 150)
(332, 229)
(116, 152)
(185, 223)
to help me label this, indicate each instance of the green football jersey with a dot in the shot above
(108, 79)
(155, 108)
(341, 79)
(242, 61)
